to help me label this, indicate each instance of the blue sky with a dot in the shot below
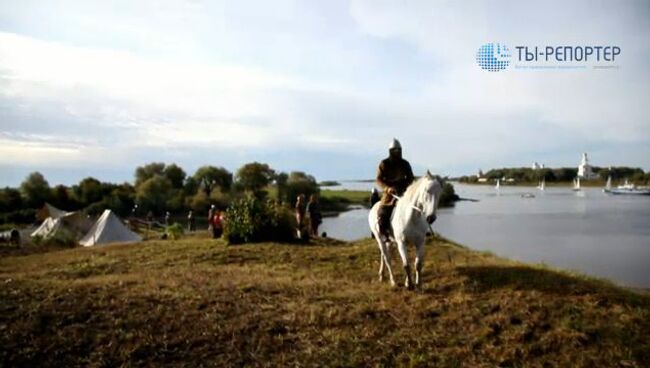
(97, 88)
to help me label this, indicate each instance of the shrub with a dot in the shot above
(252, 220)
(448, 196)
(174, 231)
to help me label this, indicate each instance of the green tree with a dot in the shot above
(63, 197)
(175, 174)
(255, 177)
(153, 193)
(209, 177)
(35, 189)
(281, 185)
(298, 183)
(10, 200)
(88, 191)
(148, 171)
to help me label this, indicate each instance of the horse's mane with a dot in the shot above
(412, 189)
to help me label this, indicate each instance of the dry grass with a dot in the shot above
(198, 302)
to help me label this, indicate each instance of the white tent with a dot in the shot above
(74, 224)
(109, 229)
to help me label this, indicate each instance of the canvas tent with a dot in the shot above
(50, 211)
(59, 222)
(109, 229)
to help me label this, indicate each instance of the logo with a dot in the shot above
(493, 57)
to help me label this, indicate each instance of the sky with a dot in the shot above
(96, 88)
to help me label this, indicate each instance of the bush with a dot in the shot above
(252, 220)
(175, 231)
(25, 216)
(448, 196)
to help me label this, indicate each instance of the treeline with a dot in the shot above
(158, 188)
(563, 174)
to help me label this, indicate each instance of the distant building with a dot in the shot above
(537, 166)
(585, 170)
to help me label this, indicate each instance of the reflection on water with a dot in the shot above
(587, 231)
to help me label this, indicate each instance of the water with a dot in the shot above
(589, 231)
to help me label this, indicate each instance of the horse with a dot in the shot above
(411, 219)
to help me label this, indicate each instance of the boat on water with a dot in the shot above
(576, 184)
(542, 184)
(608, 185)
(628, 189)
(498, 184)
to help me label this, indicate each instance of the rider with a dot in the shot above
(394, 175)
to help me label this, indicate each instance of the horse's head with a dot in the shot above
(429, 196)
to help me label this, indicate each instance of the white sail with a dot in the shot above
(498, 184)
(608, 185)
(576, 183)
(542, 184)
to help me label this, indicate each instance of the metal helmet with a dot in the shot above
(394, 144)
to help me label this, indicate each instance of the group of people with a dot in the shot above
(308, 215)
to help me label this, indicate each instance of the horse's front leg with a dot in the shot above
(419, 260)
(401, 246)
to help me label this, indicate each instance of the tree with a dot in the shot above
(281, 185)
(255, 176)
(153, 193)
(10, 200)
(300, 183)
(63, 198)
(148, 171)
(35, 189)
(176, 175)
(209, 177)
(88, 191)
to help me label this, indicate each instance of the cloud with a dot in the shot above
(100, 84)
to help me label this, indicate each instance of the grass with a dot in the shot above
(197, 302)
(339, 200)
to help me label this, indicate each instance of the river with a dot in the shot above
(589, 231)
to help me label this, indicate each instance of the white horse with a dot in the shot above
(411, 220)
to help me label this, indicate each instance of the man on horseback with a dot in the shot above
(394, 175)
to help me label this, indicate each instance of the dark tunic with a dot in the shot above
(395, 174)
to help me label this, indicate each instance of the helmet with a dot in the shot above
(394, 144)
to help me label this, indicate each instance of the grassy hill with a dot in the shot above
(197, 302)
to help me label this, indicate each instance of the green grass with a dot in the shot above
(197, 302)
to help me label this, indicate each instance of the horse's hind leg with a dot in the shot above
(401, 246)
(384, 260)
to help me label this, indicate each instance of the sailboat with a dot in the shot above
(498, 184)
(542, 184)
(608, 185)
(576, 184)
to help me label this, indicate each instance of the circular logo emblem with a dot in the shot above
(493, 57)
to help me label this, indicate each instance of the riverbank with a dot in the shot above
(561, 184)
(197, 301)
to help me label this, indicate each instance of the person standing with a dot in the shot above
(211, 212)
(374, 196)
(191, 222)
(315, 216)
(300, 213)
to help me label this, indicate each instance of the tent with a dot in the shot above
(50, 211)
(58, 222)
(109, 229)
